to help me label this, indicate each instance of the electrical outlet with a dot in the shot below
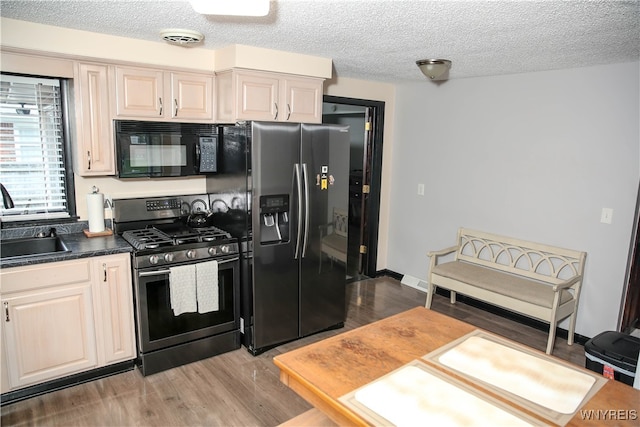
(606, 216)
(420, 189)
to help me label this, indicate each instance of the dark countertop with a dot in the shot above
(80, 245)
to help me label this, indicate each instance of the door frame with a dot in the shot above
(630, 313)
(373, 177)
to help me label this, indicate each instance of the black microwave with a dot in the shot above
(162, 149)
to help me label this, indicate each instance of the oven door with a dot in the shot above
(159, 327)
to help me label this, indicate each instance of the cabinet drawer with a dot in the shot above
(25, 278)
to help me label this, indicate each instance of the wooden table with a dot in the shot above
(324, 371)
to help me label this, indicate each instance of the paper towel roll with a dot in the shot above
(95, 211)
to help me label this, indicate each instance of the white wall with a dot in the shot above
(535, 156)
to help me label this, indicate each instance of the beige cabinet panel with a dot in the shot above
(261, 95)
(48, 333)
(94, 153)
(139, 92)
(303, 100)
(256, 97)
(4, 371)
(113, 299)
(39, 276)
(225, 98)
(65, 317)
(155, 94)
(192, 96)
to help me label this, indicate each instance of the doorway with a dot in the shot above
(366, 119)
(630, 318)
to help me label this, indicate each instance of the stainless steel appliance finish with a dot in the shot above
(298, 175)
(157, 228)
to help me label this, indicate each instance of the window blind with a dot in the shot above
(32, 148)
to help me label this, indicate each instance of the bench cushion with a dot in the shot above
(336, 242)
(499, 282)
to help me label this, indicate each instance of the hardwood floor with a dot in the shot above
(237, 389)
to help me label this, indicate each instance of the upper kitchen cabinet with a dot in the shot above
(259, 95)
(139, 93)
(94, 154)
(303, 96)
(144, 93)
(192, 96)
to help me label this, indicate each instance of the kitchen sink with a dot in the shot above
(13, 248)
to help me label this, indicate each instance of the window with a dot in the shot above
(34, 166)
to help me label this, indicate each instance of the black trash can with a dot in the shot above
(614, 355)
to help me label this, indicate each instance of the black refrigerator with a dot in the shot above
(298, 178)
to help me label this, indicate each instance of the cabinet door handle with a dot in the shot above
(276, 105)
(288, 111)
(6, 312)
(175, 101)
(160, 101)
(89, 159)
(104, 270)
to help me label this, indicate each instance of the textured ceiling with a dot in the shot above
(381, 40)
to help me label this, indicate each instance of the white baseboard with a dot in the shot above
(414, 282)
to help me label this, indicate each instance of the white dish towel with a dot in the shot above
(182, 288)
(207, 286)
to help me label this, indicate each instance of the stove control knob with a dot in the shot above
(168, 257)
(191, 254)
(225, 249)
(153, 259)
(213, 251)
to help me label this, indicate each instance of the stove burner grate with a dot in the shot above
(152, 238)
(146, 238)
(210, 234)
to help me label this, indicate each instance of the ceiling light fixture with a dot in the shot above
(231, 7)
(434, 68)
(181, 37)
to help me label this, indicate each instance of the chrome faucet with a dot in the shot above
(7, 201)
(52, 233)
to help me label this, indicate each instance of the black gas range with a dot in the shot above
(186, 280)
(176, 243)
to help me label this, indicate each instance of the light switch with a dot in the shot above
(606, 216)
(420, 189)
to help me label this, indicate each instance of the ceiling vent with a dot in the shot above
(181, 37)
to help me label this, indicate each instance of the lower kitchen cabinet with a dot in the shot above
(64, 318)
(49, 334)
(113, 303)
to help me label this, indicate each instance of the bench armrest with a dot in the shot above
(324, 229)
(434, 255)
(567, 283)
(442, 252)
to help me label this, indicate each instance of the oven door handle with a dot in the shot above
(154, 273)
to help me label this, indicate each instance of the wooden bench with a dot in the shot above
(333, 237)
(533, 279)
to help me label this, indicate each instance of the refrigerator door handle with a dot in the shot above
(305, 176)
(296, 171)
